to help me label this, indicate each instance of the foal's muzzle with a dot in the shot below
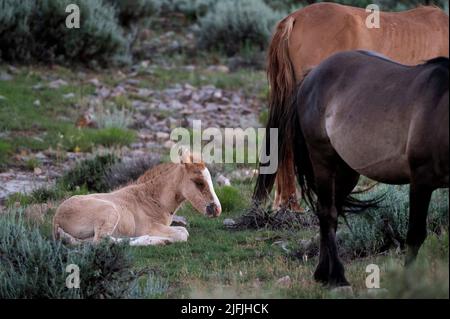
(212, 210)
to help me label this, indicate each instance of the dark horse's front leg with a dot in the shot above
(419, 200)
(330, 269)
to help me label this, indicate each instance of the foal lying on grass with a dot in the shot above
(141, 212)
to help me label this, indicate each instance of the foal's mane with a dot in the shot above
(156, 172)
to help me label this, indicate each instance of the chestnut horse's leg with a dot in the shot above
(285, 192)
(419, 200)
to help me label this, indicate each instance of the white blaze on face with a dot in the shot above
(207, 178)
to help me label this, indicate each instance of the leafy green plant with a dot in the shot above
(230, 198)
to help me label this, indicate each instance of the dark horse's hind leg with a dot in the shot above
(419, 200)
(333, 185)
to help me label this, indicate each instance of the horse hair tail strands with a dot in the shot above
(55, 231)
(280, 71)
(280, 74)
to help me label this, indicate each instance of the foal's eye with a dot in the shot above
(199, 183)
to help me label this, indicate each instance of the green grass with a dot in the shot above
(51, 124)
(249, 81)
(5, 150)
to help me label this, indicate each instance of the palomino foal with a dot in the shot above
(142, 211)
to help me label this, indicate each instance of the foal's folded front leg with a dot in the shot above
(175, 233)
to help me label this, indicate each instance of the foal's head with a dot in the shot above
(197, 187)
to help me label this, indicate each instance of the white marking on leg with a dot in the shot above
(147, 240)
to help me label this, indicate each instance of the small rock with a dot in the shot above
(284, 282)
(133, 81)
(37, 87)
(219, 68)
(37, 171)
(179, 221)
(162, 136)
(69, 96)
(57, 84)
(94, 82)
(135, 146)
(5, 77)
(223, 181)
(175, 105)
(190, 68)
(144, 92)
(169, 144)
(103, 92)
(118, 91)
(2, 98)
(13, 69)
(37, 103)
(228, 222)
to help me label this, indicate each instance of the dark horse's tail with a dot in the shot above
(290, 135)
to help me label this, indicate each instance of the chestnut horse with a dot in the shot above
(142, 211)
(306, 37)
(361, 114)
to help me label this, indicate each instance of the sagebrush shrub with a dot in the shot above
(376, 230)
(233, 24)
(36, 30)
(131, 11)
(125, 172)
(15, 34)
(89, 173)
(32, 266)
(193, 9)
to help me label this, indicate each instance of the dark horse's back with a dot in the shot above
(383, 119)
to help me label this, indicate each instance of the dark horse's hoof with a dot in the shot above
(321, 275)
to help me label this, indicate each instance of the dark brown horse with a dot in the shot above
(358, 113)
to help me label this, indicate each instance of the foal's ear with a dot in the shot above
(184, 155)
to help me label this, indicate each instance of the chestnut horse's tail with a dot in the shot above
(280, 71)
(55, 231)
(280, 74)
